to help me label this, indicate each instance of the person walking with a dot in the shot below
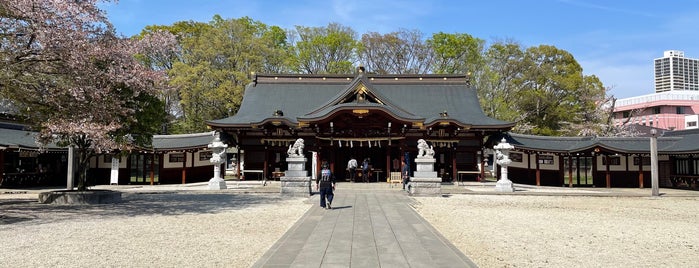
(326, 184)
(352, 168)
(405, 174)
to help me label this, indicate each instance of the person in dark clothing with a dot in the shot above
(405, 174)
(326, 184)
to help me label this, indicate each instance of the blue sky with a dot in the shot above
(614, 40)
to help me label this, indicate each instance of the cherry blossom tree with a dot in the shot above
(75, 80)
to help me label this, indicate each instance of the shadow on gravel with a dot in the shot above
(134, 204)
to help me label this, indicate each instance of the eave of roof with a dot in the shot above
(182, 141)
(21, 139)
(666, 145)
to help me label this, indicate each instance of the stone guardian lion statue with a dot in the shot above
(296, 149)
(424, 150)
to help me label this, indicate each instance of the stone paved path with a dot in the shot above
(365, 228)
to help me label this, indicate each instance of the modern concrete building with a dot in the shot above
(667, 110)
(675, 72)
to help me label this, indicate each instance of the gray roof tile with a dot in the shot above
(406, 96)
(686, 142)
(182, 141)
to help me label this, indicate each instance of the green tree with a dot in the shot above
(503, 63)
(160, 52)
(278, 53)
(401, 52)
(216, 65)
(457, 53)
(549, 91)
(326, 50)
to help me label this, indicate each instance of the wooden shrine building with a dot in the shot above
(604, 161)
(379, 117)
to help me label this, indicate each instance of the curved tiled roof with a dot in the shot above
(408, 97)
(182, 141)
(13, 138)
(20, 139)
(675, 142)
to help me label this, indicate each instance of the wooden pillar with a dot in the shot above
(152, 168)
(561, 169)
(570, 171)
(640, 170)
(483, 157)
(388, 162)
(594, 167)
(453, 165)
(2, 165)
(332, 156)
(184, 168)
(161, 164)
(529, 166)
(538, 171)
(237, 163)
(607, 175)
(266, 165)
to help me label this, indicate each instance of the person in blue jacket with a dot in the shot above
(326, 184)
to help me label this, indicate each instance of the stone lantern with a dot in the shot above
(502, 158)
(218, 153)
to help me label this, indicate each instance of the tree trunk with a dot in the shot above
(84, 154)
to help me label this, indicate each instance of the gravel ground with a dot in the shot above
(229, 229)
(566, 231)
(177, 229)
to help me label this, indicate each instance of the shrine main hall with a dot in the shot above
(365, 116)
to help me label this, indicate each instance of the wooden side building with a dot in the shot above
(603, 161)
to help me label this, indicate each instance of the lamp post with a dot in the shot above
(654, 163)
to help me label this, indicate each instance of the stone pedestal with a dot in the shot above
(425, 180)
(69, 197)
(296, 180)
(504, 184)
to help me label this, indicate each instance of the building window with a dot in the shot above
(680, 109)
(637, 160)
(613, 160)
(176, 158)
(656, 110)
(205, 155)
(546, 159)
(516, 157)
(625, 114)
